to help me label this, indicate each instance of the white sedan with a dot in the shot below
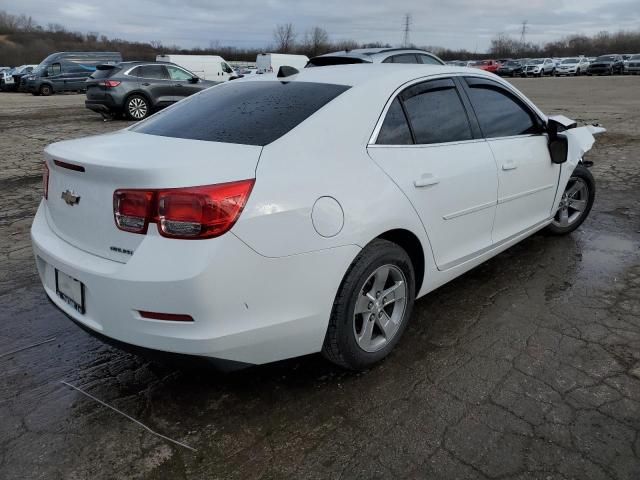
(276, 217)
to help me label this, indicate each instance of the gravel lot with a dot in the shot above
(527, 367)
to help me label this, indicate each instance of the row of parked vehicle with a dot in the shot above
(538, 67)
(135, 89)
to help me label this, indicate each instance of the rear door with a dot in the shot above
(527, 179)
(433, 151)
(155, 82)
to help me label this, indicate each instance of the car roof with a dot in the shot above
(378, 73)
(369, 52)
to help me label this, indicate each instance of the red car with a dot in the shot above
(487, 65)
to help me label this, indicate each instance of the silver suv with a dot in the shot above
(376, 55)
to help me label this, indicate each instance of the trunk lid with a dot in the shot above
(127, 159)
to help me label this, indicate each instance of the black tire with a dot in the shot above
(582, 173)
(46, 90)
(144, 107)
(340, 343)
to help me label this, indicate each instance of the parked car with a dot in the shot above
(487, 65)
(206, 67)
(139, 88)
(538, 67)
(573, 66)
(6, 75)
(376, 55)
(271, 62)
(606, 65)
(456, 63)
(230, 225)
(66, 71)
(17, 74)
(511, 68)
(633, 66)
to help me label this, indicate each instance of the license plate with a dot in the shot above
(70, 290)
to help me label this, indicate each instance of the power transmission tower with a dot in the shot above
(407, 29)
(523, 33)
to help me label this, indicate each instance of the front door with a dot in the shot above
(427, 146)
(182, 83)
(527, 178)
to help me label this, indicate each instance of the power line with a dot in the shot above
(407, 29)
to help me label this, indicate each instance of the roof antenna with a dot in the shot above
(286, 71)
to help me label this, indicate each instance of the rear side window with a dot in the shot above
(155, 72)
(404, 58)
(395, 129)
(248, 113)
(499, 112)
(436, 113)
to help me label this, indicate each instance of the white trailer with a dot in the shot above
(207, 67)
(271, 62)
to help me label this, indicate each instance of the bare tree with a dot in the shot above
(157, 44)
(285, 37)
(316, 41)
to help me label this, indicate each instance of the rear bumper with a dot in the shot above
(102, 106)
(246, 307)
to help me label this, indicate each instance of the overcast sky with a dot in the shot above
(456, 24)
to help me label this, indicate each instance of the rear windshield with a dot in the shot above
(326, 61)
(248, 113)
(103, 72)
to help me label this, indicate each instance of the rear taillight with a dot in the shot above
(132, 209)
(188, 213)
(110, 83)
(45, 181)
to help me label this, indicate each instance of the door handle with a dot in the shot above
(510, 165)
(426, 180)
(145, 84)
(177, 84)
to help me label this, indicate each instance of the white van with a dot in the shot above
(207, 67)
(271, 62)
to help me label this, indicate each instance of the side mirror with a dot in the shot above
(558, 149)
(194, 80)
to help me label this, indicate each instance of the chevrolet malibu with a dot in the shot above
(274, 217)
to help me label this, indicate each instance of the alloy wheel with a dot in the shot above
(380, 308)
(573, 203)
(137, 108)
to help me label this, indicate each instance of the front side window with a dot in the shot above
(428, 60)
(404, 58)
(178, 74)
(499, 112)
(254, 113)
(54, 69)
(154, 72)
(436, 113)
(226, 68)
(395, 129)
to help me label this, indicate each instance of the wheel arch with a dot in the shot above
(412, 245)
(138, 93)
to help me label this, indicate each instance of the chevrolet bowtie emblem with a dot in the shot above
(70, 198)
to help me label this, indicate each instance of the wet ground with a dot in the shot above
(527, 367)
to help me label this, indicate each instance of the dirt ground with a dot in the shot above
(527, 367)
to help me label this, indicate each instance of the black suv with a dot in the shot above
(138, 88)
(606, 65)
